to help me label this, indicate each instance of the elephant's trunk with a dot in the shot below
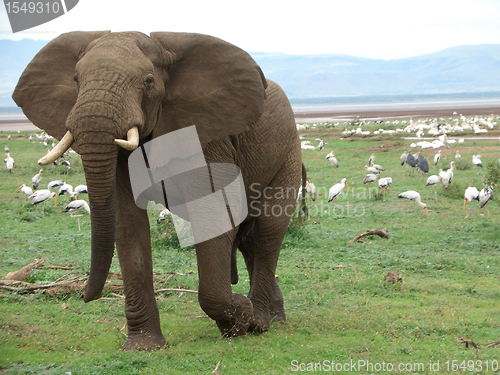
(99, 163)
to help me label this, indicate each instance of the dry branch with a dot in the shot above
(24, 286)
(467, 342)
(382, 233)
(67, 267)
(179, 273)
(216, 370)
(25, 272)
(329, 268)
(176, 290)
(493, 344)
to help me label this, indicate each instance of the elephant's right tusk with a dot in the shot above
(57, 151)
(132, 141)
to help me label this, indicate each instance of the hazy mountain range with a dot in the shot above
(463, 69)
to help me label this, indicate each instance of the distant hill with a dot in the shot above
(465, 69)
(474, 68)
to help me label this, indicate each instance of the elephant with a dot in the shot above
(105, 94)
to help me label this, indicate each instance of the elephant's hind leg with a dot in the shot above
(262, 247)
(232, 312)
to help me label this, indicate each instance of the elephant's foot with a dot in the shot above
(145, 341)
(278, 315)
(239, 317)
(261, 321)
(277, 310)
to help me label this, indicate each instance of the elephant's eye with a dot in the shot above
(149, 82)
(75, 78)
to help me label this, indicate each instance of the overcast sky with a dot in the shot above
(384, 29)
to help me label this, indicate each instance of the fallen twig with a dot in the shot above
(467, 342)
(10, 284)
(216, 370)
(493, 344)
(176, 290)
(67, 268)
(329, 268)
(382, 233)
(179, 273)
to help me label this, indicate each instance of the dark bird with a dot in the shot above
(422, 164)
(410, 160)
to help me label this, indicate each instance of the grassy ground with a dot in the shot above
(450, 268)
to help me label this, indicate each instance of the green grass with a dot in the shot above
(450, 268)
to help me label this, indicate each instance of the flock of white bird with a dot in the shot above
(433, 128)
(40, 196)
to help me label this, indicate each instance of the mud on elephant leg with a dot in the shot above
(233, 313)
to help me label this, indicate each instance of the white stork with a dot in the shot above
(333, 160)
(337, 189)
(371, 159)
(35, 181)
(377, 167)
(476, 160)
(66, 189)
(9, 162)
(369, 179)
(76, 206)
(433, 181)
(414, 196)
(26, 190)
(40, 196)
(384, 183)
(402, 158)
(371, 170)
(485, 195)
(52, 185)
(445, 178)
(437, 157)
(450, 171)
(458, 157)
(321, 144)
(470, 194)
(163, 215)
(310, 188)
(80, 189)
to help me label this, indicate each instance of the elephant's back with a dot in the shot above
(271, 142)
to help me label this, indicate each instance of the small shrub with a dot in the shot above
(492, 174)
(463, 165)
(454, 191)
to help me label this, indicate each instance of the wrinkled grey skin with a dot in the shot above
(98, 85)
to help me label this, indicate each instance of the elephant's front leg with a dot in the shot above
(133, 244)
(232, 312)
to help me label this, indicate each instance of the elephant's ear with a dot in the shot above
(46, 90)
(212, 84)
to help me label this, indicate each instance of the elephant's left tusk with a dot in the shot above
(57, 151)
(132, 141)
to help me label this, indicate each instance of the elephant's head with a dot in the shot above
(93, 90)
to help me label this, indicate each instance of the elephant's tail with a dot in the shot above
(303, 207)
